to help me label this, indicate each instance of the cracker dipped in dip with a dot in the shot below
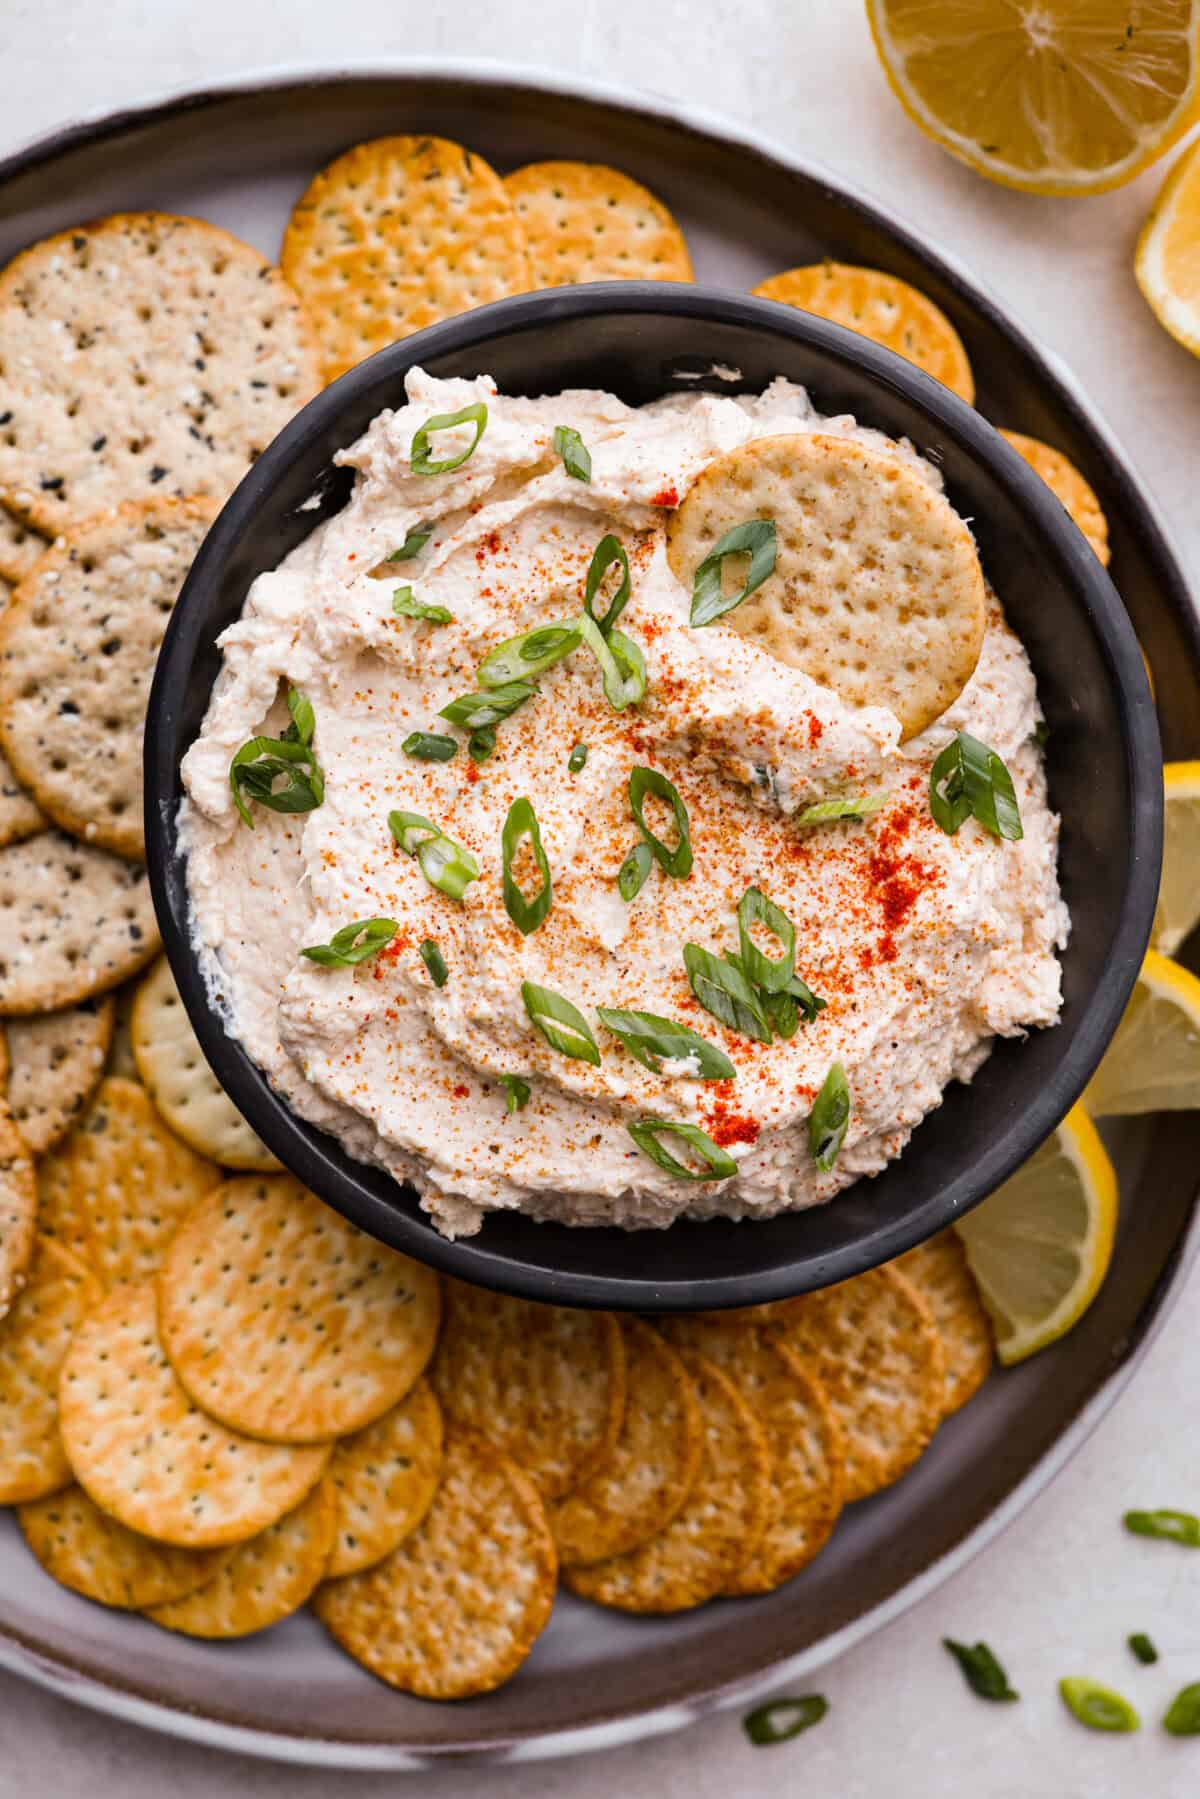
(655, 912)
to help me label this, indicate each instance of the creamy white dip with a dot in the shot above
(924, 946)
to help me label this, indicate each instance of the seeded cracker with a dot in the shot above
(20, 816)
(84, 1549)
(144, 355)
(544, 1383)
(385, 1478)
(74, 921)
(883, 308)
(148, 1456)
(18, 1210)
(34, 1341)
(169, 1060)
(120, 1054)
(458, 1607)
(586, 222)
(396, 234)
(116, 1190)
(21, 547)
(331, 1328)
(262, 1581)
(1068, 485)
(55, 1064)
(877, 590)
(938, 1270)
(78, 646)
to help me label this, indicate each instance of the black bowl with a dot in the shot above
(641, 340)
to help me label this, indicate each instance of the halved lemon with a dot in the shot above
(1053, 96)
(1167, 262)
(1040, 1245)
(1178, 911)
(1153, 1062)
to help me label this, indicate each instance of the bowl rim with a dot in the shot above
(323, 1164)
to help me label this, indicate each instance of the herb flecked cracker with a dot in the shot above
(21, 547)
(18, 1210)
(458, 1607)
(34, 1341)
(938, 1270)
(586, 222)
(144, 354)
(1067, 485)
(876, 589)
(544, 1383)
(331, 1328)
(151, 1458)
(74, 921)
(84, 1549)
(20, 814)
(55, 1064)
(396, 234)
(78, 646)
(385, 1478)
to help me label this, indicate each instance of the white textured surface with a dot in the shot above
(1061, 1591)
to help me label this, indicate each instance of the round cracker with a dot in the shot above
(74, 922)
(116, 1190)
(883, 308)
(718, 1527)
(151, 1458)
(18, 1210)
(78, 647)
(34, 1342)
(263, 1581)
(396, 234)
(877, 590)
(56, 1062)
(546, 1384)
(1067, 485)
(180, 1082)
(939, 1271)
(586, 222)
(120, 1055)
(331, 1328)
(84, 1549)
(20, 815)
(21, 547)
(145, 354)
(385, 1478)
(808, 1462)
(458, 1607)
(873, 1346)
(642, 1485)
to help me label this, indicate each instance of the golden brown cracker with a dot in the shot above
(56, 1061)
(385, 1478)
(18, 1210)
(84, 1549)
(34, 1341)
(586, 222)
(20, 815)
(1067, 485)
(938, 1270)
(76, 922)
(21, 547)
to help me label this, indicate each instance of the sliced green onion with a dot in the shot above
(622, 664)
(772, 975)
(631, 876)
(718, 1163)
(826, 811)
(415, 539)
(562, 1025)
(445, 864)
(420, 458)
(786, 1008)
(353, 943)
(782, 1719)
(1142, 1648)
(677, 861)
(1171, 1527)
(809, 1002)
(576, 458)
(608, 551)
(1099, 1708)
(428, 746)
(532, 653)
(516, 1092)
(723, 990)
(577, 758)
(1183, 1714)
(481, 743)
(981, 1671)
(783, 1013)
(289, 757)
(829, 1119)
(435, 962)
(969, 778)
(522, 822)
(755, 538)
(411, 830)
(651, 1040)
(475, 711)
(304, 719)
(404, 606)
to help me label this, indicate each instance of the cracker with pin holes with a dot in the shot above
(883, 308)
(395, 235)
(34, 1340)
(544, 1383)
(876, 591)
(641, 1486)
(144, 354)
(120, 1054)
(719, 1526)
(20, 814)
(150, 1458)
(458, 1607)
(84, 1549)
(1067, 485)
(586, 222)
(331, 1328)
(385, 1478)
(21, 547)
(873, 1345)
(74, 922)
(807, 1459)
(116, 1190)
(263, 1581)
(18, 1210)
(180, 1082)
(55, 1064)
(938, 1270)
(78, 647)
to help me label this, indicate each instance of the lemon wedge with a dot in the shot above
(1153, 1062)
(1054, 96)
(1040, 1245)
(1179, 891)
(1167, 260)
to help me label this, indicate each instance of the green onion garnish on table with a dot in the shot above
(1142, 1648)
(782, 1719)
(1096, 1706)
(1167, 1526)
(1183, 1714)
(981, 1670)
(421, 456)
